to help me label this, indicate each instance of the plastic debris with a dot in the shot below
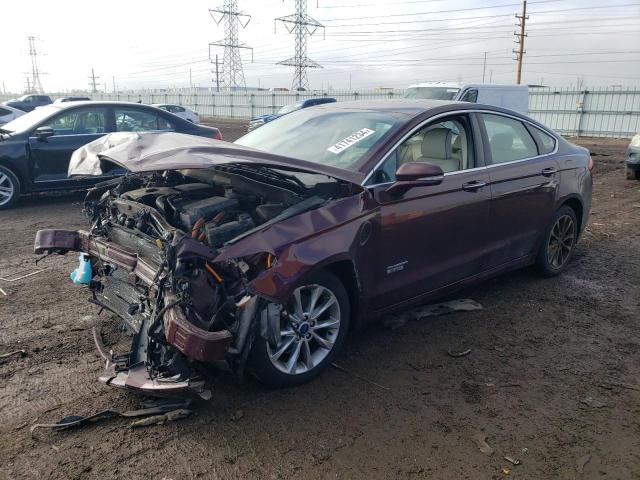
(582, 462)
(481, 441)
(3, 292)
(434, 310)
(592, 402)
(506, 470)
(512, 460)
(22, 353)
(455, 354)
(84, 273)
(155, 408)
(10, 280)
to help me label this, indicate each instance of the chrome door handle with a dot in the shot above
(473, 186)
(547, 172)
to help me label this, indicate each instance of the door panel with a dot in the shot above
(524, 188)
(432, 237)
(49, 157)
(523, 200)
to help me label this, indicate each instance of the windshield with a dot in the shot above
(432, 93)
(336, 138)
(290, 108)
(30, 119)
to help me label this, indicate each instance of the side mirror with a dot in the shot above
(415, 174)
(44, 132)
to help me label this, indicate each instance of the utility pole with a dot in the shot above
(190, 81)
(303, 26)
(113, 81)
(36, 85)
(522, 19)
(93, 84)
(233, 74)
(484, 66)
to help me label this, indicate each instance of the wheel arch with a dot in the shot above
(16, 171)
(346, 271)
(578, 208)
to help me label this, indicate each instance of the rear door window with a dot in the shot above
(509, 139)
(470, 95)
(138, 120)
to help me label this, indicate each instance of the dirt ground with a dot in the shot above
(553, 377)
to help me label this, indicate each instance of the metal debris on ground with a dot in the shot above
(434, 310)
(171, 416)
(344, 370)
(22, 353)
(481, 441)
(10, 280)
(150, 407)
(454, 354)
(509, 459)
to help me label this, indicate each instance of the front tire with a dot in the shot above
(313, 327)
(633, 174)
(558, 243)
(9, 188)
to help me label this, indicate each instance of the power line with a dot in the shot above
(232, 72)
(35, 86)
(302, 25)
(92, 82)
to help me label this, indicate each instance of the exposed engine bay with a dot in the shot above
(154, 248)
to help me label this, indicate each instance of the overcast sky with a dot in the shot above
(366, 43)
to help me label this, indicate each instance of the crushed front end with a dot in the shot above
(153, 248)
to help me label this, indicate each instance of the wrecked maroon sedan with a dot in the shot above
(264, 253)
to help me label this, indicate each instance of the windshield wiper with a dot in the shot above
(3, 130)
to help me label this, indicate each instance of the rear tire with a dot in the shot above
(558, 243)
(309, 340)
(9, 188)
(633, 174)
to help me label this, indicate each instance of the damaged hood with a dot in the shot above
(157, 151)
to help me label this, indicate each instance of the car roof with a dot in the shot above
(64, 105)
(407, 106)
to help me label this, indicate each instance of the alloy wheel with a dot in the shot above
(561, 241)
(309, 328)
(7, 189)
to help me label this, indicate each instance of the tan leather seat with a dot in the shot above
(501, 147)
(437, 149)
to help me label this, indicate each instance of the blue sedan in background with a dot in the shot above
(309, 102)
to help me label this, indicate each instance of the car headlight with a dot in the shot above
(635, 141)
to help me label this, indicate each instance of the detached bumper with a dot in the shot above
(120, 292)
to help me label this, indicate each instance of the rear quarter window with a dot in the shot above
(545, 141)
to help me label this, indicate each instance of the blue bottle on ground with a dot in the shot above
(83, 274)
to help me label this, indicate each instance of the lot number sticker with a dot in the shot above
(350, 140)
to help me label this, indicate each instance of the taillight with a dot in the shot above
(217, 135)
(590, 166)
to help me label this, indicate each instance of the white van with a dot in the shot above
(513, 97)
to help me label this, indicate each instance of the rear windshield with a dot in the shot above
(432, 93)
